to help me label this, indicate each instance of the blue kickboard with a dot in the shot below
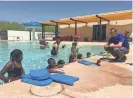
(36, 82)
(65, 79)
(40, 74)
(39, 78)
(85, 62)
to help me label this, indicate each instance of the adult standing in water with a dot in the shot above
(42, 43)
(117, 45)
(13, 68)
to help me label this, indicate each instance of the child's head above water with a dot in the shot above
(79, 56)
(51, 63)
(88, 54)
(61, 62)
(63, 46)
(16, 55)
(72, 58)
(74, 44)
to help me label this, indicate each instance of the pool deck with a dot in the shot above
(110, 80)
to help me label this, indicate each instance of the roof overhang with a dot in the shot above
(111, 16)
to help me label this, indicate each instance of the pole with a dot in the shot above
(30, 34)
(56, 30)
(100, 28)
(42, 31)
(33, 34)
(75, 27)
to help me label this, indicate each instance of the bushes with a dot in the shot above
(6, 25)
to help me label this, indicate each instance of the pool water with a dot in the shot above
(35, 58)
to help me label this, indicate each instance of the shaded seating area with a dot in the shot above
(85, 25)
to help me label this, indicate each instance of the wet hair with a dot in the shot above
(79, 56)
(58, 41)
(51, 62)
(113, 29)
(63, 46)
(71, 57)
(74, 44)
(61, 62)
(15, 54)
(88, 54)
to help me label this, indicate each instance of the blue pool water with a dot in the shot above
(34, 58)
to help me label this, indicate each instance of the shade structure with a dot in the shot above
(118, 15)
(32, 26)
(95, 18)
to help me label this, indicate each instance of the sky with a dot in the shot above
(39, 11)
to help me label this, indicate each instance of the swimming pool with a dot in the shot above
(34, 57)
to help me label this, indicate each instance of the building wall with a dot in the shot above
(86, 31)
(82, 31)
(25, 35)
(120, 29)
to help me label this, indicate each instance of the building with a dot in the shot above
(14, 35)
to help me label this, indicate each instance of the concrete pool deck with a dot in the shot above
(110, 80)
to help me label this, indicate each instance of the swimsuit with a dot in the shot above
(15, 72)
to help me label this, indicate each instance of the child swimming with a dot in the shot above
(13, 68)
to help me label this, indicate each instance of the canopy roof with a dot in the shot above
(111, 16)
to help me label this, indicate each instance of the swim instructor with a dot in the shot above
(117, 45)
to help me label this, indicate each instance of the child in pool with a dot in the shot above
(79, 56)
(52, 66)
(47, 45)
(72, 58)
(54, 51)
(88, 54)
(74, 49)
(63, 46)
(61, 63)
